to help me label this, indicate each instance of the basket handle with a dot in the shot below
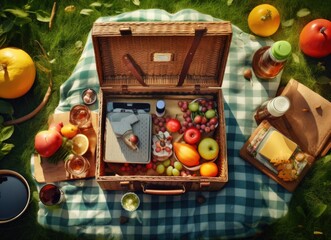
(163, 191)
(133, 68)
(199, 32)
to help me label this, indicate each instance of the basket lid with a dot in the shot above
(161, 53)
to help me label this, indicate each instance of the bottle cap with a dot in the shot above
(281, 50)
(278, 106)
(160, 107)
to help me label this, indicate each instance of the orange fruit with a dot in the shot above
(69, 130)
(17, 72)
(80, 144)
(209, 169)
(264, 20)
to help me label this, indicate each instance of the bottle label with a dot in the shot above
(262, 112)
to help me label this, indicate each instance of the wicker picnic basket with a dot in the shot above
(145, 61)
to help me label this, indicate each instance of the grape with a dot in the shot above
(207, 129)
(213, 120)
(161, 124)
(204, 120)
(180, 104)
(212, 127)
(158, 149)
(160, 169)
(166, 163)
(175, 172)
(204, 109)
(156, 121)
(178, 165)
(203, 102)
(169, 170)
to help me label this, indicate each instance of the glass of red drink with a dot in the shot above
(51, 195)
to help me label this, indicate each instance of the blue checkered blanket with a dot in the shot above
(248, 202)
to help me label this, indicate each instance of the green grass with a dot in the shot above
(59, 42)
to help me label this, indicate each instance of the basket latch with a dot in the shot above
(125, 31)
(199, 32)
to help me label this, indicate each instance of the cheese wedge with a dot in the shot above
(277, 147)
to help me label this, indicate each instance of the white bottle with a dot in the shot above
(273, 108)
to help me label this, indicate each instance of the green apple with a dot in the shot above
(208, 148)
(193, 106)
(210, 113)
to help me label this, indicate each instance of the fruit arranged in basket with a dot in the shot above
(200, 113)
(194, 156)
(193, 149)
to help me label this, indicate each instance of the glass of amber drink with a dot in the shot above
(80, 115)
(78, 166)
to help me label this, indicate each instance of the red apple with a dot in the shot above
(173, 125)
(192, 135)
(315, 38)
